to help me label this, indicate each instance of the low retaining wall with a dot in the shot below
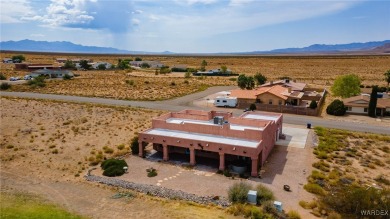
(158, 191)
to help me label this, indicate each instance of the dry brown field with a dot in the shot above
(46, 148)
(317, 71)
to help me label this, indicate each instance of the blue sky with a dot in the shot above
(193, 26)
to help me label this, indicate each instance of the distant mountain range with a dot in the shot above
(68, 47)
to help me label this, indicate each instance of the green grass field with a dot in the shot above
(27, 206)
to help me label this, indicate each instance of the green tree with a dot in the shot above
(252, 107)
(138, 59)
(134, 145)
(203, 65)
(223, 69)
(18, 58)
(85, 65)
(346, 86)
(242, 81)
(122, 64)
(260, 78)
(387, 79)
(2, 77)
(101, 67)
(313, 104)
(336, 108)
(69, 65)
(373, 102)
(145, 65)
(250, 83)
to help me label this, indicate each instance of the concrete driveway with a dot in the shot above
(296, 136)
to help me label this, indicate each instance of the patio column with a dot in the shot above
(192, 156)
(165, 152)
(141, 149)
(221, 161)
(255, 166)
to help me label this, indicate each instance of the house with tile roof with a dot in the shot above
(359, 105)
(281, 96)
(272, 95)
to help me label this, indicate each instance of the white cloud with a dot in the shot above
(12, 10)
(191, 2)
(63, 13)
(137, 12)
(239, 2)
(135, 22)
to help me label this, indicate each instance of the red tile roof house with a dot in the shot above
(217, 134)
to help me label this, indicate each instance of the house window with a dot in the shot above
(365, 110)
(258, 101)
(280, 102)
(270, 101)
(225, 101)
(217, 101)
(349, 109)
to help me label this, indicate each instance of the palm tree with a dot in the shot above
(387, 79)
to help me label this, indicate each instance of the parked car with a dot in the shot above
(27, 77)
(13, 78)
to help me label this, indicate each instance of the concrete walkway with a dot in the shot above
(296, 136)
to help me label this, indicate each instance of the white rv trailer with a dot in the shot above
(225, 101)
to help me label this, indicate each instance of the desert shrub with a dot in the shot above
(314, 188)
(382, 179)
(351, 199)
(269, 207)
(232, 79)
(130, 82)
(5, 86)
(113, 167)
(240, 209)
(238, 192)
(186, 82)
(321, 154)
(264, 194)
(173, 83)
(67, 77)
(187, 74)
(108, 150)
(121, 146)
(322, 165)
(151, 172)
(317, 175)
(2, 77)
(293, 215)
(227, 173)
(10, 146)
(145, 65)
(336, 108)
(334, 215)
(37, 82)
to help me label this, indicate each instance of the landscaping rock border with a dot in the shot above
(159, 191)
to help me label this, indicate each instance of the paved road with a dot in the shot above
(185, 103)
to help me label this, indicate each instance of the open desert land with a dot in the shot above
(316, 71)
(47, 147)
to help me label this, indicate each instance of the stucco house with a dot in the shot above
(49, 73)
(359, 105)
(272, 95)
(215, 134)
(152, 64)
(295, 86)
(95, 65)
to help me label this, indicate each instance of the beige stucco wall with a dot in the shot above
(266, 97)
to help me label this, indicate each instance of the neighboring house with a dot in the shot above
(51, 73)
(152, 64)
(95, 65)
(275, 95)
(214, 71)
(32, 67)
(248, 138)
(7, 60)
(78, 60)
(180, 68)
(61, 60)
(295, 86)
(359, 105)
